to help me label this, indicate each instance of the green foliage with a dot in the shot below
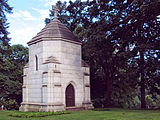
(4, 8)
(152, 103)
(9, 104)
(98, 102)
(11, 76)
(36, 114)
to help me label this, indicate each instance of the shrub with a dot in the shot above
(99, 102)
(9, 104)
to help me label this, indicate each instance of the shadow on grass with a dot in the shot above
(101, 109)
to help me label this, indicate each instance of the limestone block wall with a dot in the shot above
(53, 92)
(35, 76)
(54, 84)
(71, 71)
(51, 48)
(69, 55)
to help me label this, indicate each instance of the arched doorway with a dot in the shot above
(70, 96)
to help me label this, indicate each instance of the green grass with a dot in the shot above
(109, 114)
(36, 114)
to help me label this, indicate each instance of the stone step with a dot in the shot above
(75, 108)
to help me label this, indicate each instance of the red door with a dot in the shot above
(70, 96)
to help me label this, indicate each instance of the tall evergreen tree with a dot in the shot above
(4, 8)
(143, 29)
(4, 45)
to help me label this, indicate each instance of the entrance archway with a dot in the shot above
(70, 96)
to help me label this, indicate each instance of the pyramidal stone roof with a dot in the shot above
(55, 30)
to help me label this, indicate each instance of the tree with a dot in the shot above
(4, 46)
(4, 8)
(136, 25)
(12, 76)
(143, 29)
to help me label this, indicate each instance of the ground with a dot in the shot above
(110, 114)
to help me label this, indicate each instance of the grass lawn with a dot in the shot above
(111, 114)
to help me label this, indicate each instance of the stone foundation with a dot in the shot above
(50, 107)
(88, 105)
(41, 107)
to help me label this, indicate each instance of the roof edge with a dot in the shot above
(52, 39)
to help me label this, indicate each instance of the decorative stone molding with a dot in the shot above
(43, 104)
(87, 85)
(51, 59)
(44, 85)
(86, 74)
(57, 84)
(52, 39)
(58, 104)
(56, 71)
(45, 72)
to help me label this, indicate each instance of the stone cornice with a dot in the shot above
(43, 104)
(34, 41)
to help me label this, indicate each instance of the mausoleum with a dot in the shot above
(55, 78)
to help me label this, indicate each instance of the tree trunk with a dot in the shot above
(142, 83)
(108, 78)
(108, 92)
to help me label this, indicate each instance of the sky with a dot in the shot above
(27, 19)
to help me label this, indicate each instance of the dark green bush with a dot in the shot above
(36, 114)
(98, 102)
(9, 104)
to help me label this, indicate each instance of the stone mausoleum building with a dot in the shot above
(56, 78)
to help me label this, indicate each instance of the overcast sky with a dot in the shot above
(27, 19)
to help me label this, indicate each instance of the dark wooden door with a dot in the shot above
(70, 96)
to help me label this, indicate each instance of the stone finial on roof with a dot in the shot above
(55, 30)
(55, 9)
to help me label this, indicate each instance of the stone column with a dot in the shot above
(58, 101)
(87, 104)
(24, 104)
